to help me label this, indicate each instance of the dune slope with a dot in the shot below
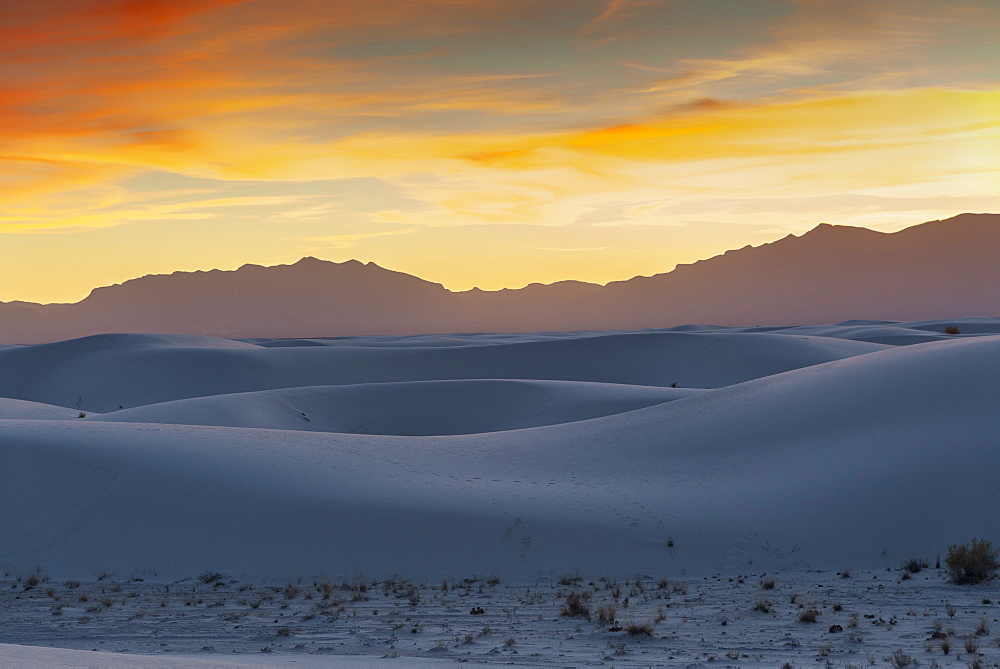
(412, 408)
(107, 372)
(855, 462)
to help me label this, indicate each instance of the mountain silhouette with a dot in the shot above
(832, 273)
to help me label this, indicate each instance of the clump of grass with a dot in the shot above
(808, 616)
(914, 565)
(638, 629)
(983, 629)
(284, 631)
(952, 330)
(899, 659)
(576, 605)
(767, 584)
(210, 577)
(971, 645)
(762, 605)
(972, 563)
(606, 614)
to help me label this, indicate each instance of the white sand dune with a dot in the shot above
(108, 372)
(411, 408)
(974, 325)
(10, 408)
(858, 462)
(877, 334)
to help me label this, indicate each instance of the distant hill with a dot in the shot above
(829, 274)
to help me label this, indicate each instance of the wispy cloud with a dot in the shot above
(486, 113)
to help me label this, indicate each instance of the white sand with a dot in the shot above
(809, 450)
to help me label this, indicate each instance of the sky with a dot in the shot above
(488, 143)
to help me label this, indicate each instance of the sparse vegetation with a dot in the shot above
(899, 659)
(952, 330)
(972, 563)
(638, 629)
(808, 616)
(576, 605)
(767, 584)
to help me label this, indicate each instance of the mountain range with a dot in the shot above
(939, 269)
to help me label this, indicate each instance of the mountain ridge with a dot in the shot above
(831, 273)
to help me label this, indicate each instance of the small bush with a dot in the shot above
(767, 584)
(575, 606)
(914, 565)
(209, 577)
(808, 616)
(952, 329)
(900, 659)
(973, 563)
(636, 629)
(606, 614)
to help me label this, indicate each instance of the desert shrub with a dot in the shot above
(900, 659)
(636, 629)
(210, 577)
(808, 616)
(914, 565)
(762, 605)
(972, 563)
(952, 329)
(576, 606)
(767, 584)
(606, 614)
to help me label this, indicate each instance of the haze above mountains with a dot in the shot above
(832, 273)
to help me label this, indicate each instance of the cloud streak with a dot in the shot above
(487, 113)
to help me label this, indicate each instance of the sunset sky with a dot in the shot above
(486, 143)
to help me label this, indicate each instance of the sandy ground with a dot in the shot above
(179, 499)
(872, 618)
